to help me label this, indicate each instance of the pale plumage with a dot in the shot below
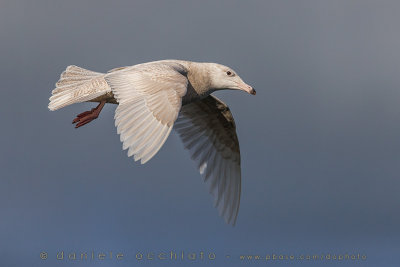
(208, 131)
(152, 98)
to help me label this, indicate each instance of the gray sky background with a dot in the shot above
(319, 143)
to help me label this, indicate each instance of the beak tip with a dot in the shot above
(247, 88)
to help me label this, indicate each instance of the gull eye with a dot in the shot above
(229, 73)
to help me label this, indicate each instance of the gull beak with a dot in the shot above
(247, 88)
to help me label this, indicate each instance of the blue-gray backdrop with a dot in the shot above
(319, 143)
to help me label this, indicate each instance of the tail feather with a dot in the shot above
(77, 85)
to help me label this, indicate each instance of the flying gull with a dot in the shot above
(157, 96)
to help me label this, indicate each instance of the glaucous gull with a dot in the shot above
(153, 98)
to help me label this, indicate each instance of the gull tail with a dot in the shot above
(77, 85)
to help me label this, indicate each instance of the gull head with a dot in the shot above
(225, 78)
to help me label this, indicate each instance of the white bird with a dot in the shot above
(153, 98)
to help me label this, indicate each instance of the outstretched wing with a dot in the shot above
(149, 97)
(208, 131)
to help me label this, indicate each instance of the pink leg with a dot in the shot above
(88, 116)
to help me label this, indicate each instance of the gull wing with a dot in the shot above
(149, 97)
(208, 131)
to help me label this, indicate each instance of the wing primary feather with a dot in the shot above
(158, 145)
